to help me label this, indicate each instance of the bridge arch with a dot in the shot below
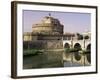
(67, 45)
(88, 47)
(77, 46)
(89, 53)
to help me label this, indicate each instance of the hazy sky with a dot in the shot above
(73, 22)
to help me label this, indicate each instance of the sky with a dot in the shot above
(73, 22)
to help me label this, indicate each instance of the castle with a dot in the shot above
(49, 34)
(46, 34)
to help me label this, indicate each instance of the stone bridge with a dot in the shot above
(77, 57)
(83, 44)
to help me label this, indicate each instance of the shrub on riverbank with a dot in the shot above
(32, 52)
(68, 50)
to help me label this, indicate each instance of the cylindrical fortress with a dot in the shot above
(48, 25)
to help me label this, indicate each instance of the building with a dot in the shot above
(48, 26)
(48, 34)
(49, 31)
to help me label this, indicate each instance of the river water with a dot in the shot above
(54, 60)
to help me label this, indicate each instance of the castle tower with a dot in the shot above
(48, 25)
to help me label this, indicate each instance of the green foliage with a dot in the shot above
(80, 37)
(32, 52)
(86, 37)
(86, 51)
(77, 48)
(68, 50)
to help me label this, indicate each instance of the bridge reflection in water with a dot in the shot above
(51, 59)
(76, 59)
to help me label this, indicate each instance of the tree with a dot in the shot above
(80, 37)
(86, 37)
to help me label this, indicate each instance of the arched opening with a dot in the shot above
(67, 46)
(88, 53)
(88, 47)
(77, 46)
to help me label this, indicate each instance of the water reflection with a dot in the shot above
(48, 59)
(76, 59)
(51, 59)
